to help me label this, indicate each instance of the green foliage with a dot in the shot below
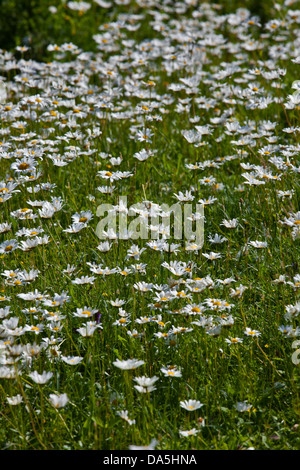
(30, 23)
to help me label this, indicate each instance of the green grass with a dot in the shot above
(259, 371)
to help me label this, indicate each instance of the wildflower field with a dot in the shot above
(128, 336)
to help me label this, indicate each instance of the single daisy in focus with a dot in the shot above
(72, 360)
(191, 405)
(58, 401)
(145, 384)
(15, 400)
(82, 217)
(171, 371)
(250, 332)
(41, 378)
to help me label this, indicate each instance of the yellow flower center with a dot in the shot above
(23, 166)
(196, 309)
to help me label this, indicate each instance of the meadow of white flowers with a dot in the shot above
(119, 340)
